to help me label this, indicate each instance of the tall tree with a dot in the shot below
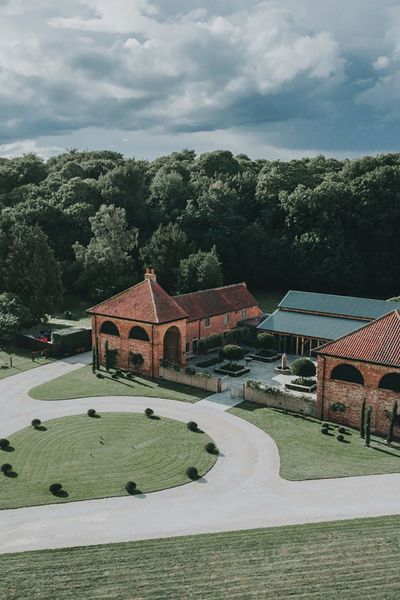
(200, 271)
(32, 273)
(164, 251)
(106, 263)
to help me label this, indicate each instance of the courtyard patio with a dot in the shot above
(259, 371)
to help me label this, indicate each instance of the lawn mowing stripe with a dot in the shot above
(160, 455)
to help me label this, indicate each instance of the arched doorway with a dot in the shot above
(172, 345)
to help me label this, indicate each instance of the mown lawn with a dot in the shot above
(82, 383)
(306, 453)
(350, 560)
(95, 457)
(21, 361)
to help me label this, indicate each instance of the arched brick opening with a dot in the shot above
(349, 373)
(172, 345)
(109, 328)
(390, 381)
(138, 333)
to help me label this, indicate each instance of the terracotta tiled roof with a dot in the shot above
(376, 342)
(146, 302)
(217, 301)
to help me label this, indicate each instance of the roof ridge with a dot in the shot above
(152, 298)
(116, 295)
(222, 287)
(356, 331)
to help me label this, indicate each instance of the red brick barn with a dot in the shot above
(144, 320)
(363, 365)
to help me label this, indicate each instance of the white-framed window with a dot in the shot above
(226, 318)
(207, 322)
(244, 313)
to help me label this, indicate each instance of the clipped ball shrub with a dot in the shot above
(211, 448)
(6, 468)
(192, 473)
(36, 423)
(130, 487)
(342, 430)
(340, 437)
(324, 430)
(303, 367)
(192, 426)
(91, 412)
(149, 412)
(4, 444)
(55, 488)
(325, 425)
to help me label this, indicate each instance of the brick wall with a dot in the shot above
(152, 351)
(351, 395)
(198, 329)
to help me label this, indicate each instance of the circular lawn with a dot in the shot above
(96, 457)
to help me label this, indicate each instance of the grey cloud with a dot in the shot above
(296, 77)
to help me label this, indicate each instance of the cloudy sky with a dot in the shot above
(274, 79)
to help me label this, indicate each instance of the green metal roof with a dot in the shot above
(315, 326)
(364, 308)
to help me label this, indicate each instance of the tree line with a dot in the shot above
(87, 223)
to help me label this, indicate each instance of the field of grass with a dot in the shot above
(21, 361)
(95, 457)
(269, 300)
(306, 453)
(349, 560)
(82, 383)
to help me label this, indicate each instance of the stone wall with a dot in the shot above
(296, 404)
(341, 401)
(211, 384)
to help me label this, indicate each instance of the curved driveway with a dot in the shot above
(242, 491)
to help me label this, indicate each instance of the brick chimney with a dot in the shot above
(150, 274)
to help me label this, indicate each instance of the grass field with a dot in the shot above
(269, 300)
(350, 560)
(305, 453)
(95, 457)
(82, 383)
(21, 361)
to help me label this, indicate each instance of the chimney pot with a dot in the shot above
(150, 274)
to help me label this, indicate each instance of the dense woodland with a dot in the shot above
(87, 223)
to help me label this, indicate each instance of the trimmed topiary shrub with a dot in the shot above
(149, 412)
(340, 437)
(130, 487)
(6, 468)
(342, 430)
(192, 473)
(55, 488)
(4, 444)
(211, 448)
(303, 367)
(325, 425)
(91, 412)
(266, 341)
(324, 430)
(36, 423)
(192, 426)
(208, 363)
(232, 353)
(190, 371)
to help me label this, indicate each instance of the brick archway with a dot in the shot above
(172, 345)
